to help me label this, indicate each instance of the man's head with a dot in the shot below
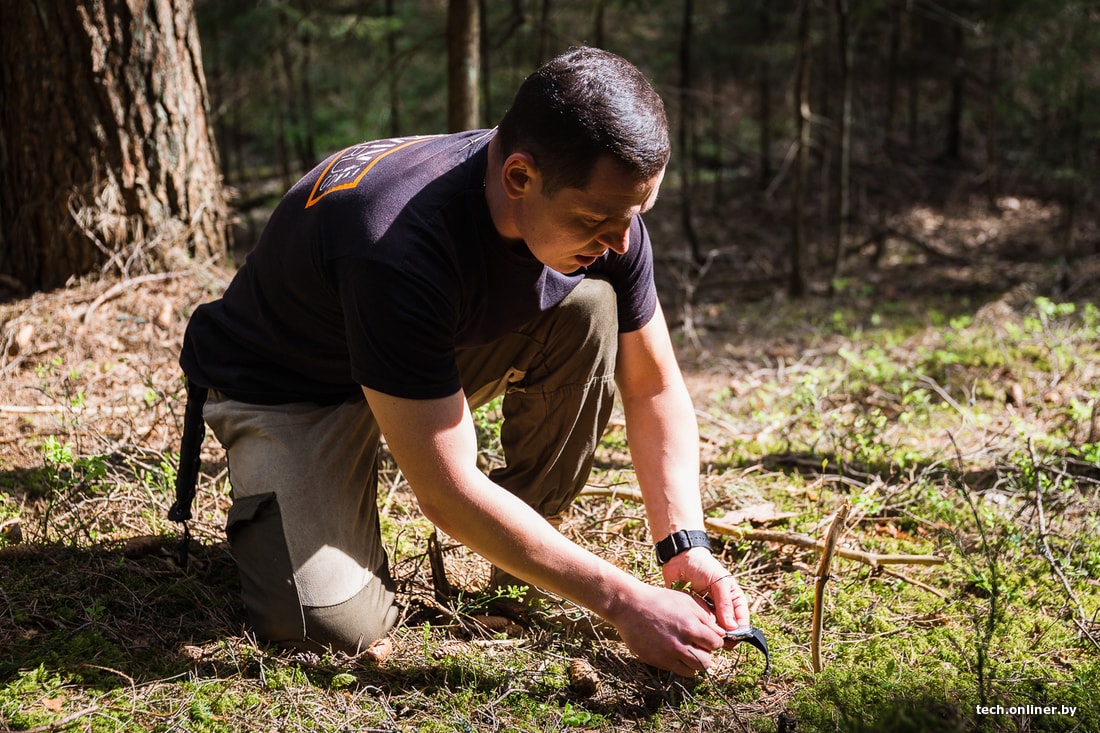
(583, 105)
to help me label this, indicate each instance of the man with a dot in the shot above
(405, 281)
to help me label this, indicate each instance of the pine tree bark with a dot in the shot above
(105, 153)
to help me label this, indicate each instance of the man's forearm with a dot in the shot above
(664, 444)
(503, 529)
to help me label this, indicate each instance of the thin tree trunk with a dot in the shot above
(893, 71)
(992, 119)
(955, 109)
(796, 286)
(463, 64)
(687, 117)
(765, 111)
(394, 88)
(309, 144)
(599, 31)
(1075, 163)
(543, 49)
(913, 87)
(844, 136)
(106, 156)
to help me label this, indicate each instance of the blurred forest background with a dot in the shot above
(812, 136)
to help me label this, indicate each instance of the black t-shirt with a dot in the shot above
(374, 270)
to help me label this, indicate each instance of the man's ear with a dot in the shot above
(519, 174)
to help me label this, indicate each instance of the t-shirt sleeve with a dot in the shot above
(400, 327)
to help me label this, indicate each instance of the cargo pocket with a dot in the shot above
(256, 537)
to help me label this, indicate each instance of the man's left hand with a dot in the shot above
(709, 579)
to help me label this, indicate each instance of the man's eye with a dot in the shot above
(591, 222)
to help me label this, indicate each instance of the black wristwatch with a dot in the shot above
(681, 541)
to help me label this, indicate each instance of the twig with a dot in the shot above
(831, 537)
(911, 581)
(783, 538)
(58, 724)
(943, 393)
(443, 590)
(119, 288)
(809, 543)
(1047, 553)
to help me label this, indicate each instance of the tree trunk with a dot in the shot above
(992, 118)
(796, 285)
(844, 136)
(393, 88)
(765, 110)
(543, 49)
(599, 30)
(463, 46)
(893, 71)
(104, 146)
(913, 74)
(687, 119)
(955, 109)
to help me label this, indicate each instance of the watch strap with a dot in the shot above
(681, 541)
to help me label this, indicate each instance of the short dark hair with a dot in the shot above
(583, 104)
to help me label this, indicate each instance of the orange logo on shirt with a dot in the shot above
(350, 165)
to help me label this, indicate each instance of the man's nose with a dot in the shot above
(617, 239)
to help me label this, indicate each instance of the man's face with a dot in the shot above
(575, 226)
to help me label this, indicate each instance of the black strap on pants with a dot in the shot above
(194, 430)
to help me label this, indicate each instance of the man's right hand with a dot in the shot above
(668, 629)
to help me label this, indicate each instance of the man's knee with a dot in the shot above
(351, 626)
(593, 303)
(586, 323)
(270, 593)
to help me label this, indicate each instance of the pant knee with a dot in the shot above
(353, 625)
(586, 324)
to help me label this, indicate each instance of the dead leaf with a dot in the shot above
(56, 704)
(165, 317)
(380, 650)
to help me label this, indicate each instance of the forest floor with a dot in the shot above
(946, 394)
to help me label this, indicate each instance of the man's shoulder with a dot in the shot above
(398, 161)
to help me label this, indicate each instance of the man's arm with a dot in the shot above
(664, 444)
(435, 445)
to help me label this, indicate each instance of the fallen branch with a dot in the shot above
(121, 287)
(809, 543)
(783, 538)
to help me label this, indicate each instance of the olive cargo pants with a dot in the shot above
(303, 526)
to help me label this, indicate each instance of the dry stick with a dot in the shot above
(783, 538)
(119, 288)
(1048, 554)
(831, 537)
(809, 543)
(57, 724)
